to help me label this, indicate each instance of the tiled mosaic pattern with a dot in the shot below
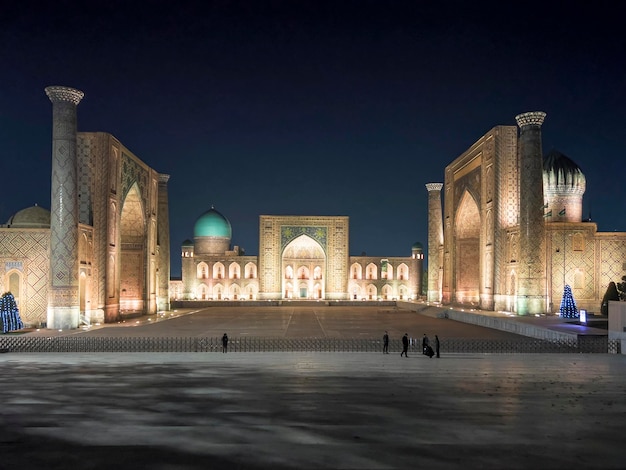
(270, 252)
(25, 252)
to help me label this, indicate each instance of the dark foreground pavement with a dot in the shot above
(311, 410)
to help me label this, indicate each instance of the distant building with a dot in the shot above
(511, 233)
(300, 257)
(102, 251)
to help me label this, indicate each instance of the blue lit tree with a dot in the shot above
(568, 305)
(9, 314)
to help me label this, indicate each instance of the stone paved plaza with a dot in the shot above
(311, 321)
(309, 410)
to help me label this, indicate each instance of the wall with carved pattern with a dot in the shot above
(24, 252)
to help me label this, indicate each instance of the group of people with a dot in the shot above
(427, 349)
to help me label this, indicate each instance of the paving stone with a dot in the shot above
(311, 410)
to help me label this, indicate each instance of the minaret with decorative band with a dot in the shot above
(531, 292)
(63, 295)
(163, 227)
(435, 242)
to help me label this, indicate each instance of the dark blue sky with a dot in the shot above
(313, 107)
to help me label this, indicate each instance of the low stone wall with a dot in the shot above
(617, 322)
(488, 321)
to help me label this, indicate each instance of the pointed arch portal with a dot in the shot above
(306, 257)
(467, 230)
(133, 254)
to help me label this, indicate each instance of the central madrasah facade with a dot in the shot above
(300, 258)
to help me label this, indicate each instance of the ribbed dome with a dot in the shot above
(212, 224)
(560, 170)
(31, 217)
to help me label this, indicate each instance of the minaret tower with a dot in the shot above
(63, 295)
(435, 242)
(531, 292)
(163, 236)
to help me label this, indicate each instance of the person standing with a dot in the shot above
(437, 345)
(405, 345)
(386, 343)
(425, 343)
(225, 343)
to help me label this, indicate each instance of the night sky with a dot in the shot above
(313, 107)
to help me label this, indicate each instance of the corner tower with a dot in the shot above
(163, 239)
(531, 294)
(63, 294)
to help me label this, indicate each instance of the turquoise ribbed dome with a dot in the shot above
(212, 224)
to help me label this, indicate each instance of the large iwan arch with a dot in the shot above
(133, 254)
(305, 256)
(467, 249)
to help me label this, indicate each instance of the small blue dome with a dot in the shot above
(417, 246)
(212, 224)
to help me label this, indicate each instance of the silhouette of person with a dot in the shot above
(225, 343)
(425, 343)
(437, 345)
(405, 345)
(386, 343)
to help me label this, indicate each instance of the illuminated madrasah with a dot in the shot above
(300, 258)
(102, 251)
(511, 235)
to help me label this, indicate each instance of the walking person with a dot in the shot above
(405, 345)
(437, 345)
(225, 343)
(425, 343)
(386, 343)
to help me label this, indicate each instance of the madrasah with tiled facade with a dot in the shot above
(509, 236)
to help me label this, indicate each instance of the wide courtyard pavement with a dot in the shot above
(312, 321)
(310, 410)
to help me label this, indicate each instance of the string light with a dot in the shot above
(568, 304)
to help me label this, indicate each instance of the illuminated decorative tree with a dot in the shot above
(568, 305)
(9, 313)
